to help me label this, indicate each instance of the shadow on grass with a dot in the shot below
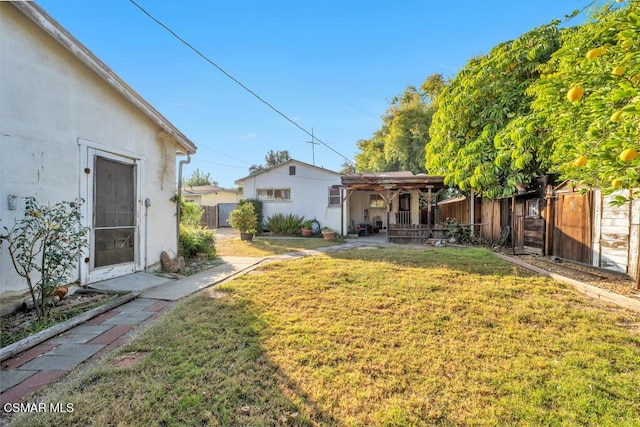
(206, 366)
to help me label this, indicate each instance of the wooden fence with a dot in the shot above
(210, 217)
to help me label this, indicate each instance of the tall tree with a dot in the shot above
(399, 143)
(198, 178)
(347, 167)
(483, 135)
(273, 158)
(589, 99)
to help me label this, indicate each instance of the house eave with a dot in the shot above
(240, 181)
(380, 182)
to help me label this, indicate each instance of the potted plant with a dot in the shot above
(307, 227)
(243, 218)
(328, 233)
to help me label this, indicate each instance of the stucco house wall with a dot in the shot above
(309, 191)
(210, 196)
(57, 113)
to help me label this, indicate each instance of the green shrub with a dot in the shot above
(190, 213)
(289, 224)
(195, 241)
(460, 232)
(45, 246)
(257, 207)
(243, 219)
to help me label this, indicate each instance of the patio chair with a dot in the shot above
(360, 230)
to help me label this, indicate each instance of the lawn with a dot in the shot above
(372, 337)
(265, 246)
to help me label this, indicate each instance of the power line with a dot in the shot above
(224, 154)
(203, 56)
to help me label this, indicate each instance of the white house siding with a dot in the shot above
(53, 110)
(309, 192)
(212, 199)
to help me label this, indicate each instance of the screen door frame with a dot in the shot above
(91, 272)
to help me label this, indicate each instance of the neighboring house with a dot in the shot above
(217, 203)
(210, 195)
(69, 128)
(295, 187)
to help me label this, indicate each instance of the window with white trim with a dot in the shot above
(334, 195)
(376, 201)
(274, 194)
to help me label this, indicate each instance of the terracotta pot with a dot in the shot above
(246, 236)
(61, 291)
(306, 232)
(329, 235)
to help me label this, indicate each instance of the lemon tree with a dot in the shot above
(484, 136)
(594, 130)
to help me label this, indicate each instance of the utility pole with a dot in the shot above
(313, 147)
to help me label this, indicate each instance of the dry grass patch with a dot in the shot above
(261, 247)
(386, 337)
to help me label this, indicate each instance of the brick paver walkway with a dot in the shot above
(31, 370)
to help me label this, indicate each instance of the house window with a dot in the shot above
(376, 201)
(533, 208)
(292, 170)
(274, 194)
(334, 195)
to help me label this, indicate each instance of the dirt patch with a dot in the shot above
(216, 294)
(130, 359)
(599, 277)
(23, 322)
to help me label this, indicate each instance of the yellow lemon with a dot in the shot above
(575, 94)
(580, 161)
(595, 52)
(618, 71)
(616, 183)
(629, 154)
(615, 117)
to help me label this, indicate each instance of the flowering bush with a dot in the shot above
(45, 246)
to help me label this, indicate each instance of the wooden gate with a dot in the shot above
(224, 210)
(572, 228)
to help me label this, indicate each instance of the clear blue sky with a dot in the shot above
(329, 65)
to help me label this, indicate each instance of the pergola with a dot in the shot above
(391, 184)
